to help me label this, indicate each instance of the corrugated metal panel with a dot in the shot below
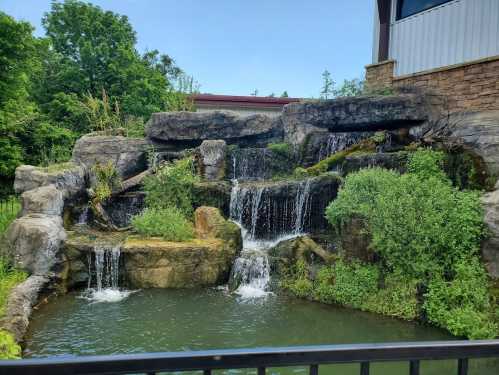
(456, 32)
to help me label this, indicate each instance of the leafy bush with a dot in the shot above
(168, 223)
(427, 230)
(9, 349)
(349, 284)
(462, 304)
(282, 149)
(9, 278)
(172, 186)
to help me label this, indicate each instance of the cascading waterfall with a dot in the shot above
(106, 266)
(339, 141)
(83, 218)
(253, 208)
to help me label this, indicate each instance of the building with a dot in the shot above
(245, 105)
(449, 47)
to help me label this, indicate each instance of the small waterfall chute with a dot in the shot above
(106, 268)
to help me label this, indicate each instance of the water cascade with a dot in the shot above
(250, 164)
(335, 142)
(267, 214)
(106, 268)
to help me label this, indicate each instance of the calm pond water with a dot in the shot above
(174, 320)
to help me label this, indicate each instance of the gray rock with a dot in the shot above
(128, 155)
(211, 159)
(20, 305)
(395, 160)
(475, 131)
(47, 200)
(490, 246)
(70, 178)
(190, 128)
(35, 242)
(365, 113)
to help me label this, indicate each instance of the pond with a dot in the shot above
(155, 320)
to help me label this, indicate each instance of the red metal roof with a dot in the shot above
(256, 101)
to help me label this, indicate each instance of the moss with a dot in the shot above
(366, 146)
(467, 170)
(9, 349)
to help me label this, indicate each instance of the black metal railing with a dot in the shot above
(260, 359)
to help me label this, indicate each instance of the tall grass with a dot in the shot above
(9, 208)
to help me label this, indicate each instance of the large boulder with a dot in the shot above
(35, 242)
(67, 177)
(20, 304)
(477, 132)
(127, 155)
(364, 113)
(213, 193)
(47, 200)
(191, 128)
(490, 247)
(211, 159)
(286, 253)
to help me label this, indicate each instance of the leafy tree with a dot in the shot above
(352, 87)
(284, 94)
(255, 93)
(327, 90)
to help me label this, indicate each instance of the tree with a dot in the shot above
(352, 87)
(255, 93)
(285, 95)
(327, 85)
(94, 50)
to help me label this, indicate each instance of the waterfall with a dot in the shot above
(339, 141)
(302, 205)
(83, 217)
(264, 222)
(106, 267)
(250, 164)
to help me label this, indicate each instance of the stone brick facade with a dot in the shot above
(470, 86)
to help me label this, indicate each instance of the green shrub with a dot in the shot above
(348, 284)
(430, 232)
(9, 349)
(462, 305)
(282, 149)
(172, 186)
(168, 223)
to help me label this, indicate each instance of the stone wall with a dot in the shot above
(470, 86)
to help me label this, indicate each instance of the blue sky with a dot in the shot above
(236, 46)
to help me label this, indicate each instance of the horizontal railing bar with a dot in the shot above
(251, 358)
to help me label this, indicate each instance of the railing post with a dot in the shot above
(462, 366)
(364, 368)
(261, 370)
(414, 367)
(314, 369)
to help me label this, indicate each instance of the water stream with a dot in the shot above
(106, 269)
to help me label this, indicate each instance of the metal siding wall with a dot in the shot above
(453, 33)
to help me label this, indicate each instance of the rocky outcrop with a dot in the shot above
(365, 113)
(45, 200)
(213, 193)
(67, 177)
(184, 129)
(35, 242)
(490, 246)
(127, 155)
(211, 159)
(286, 253)
(20, 304)
(122, 207)
(477, 132)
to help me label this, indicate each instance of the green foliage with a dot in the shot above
(106, 180)
(462, 304)
(169, 223)
(327, 90)
(172, 186)
(350, 87)
(283, 149)
(9, 278)
(9, 349)
(427, 230)
(349, 284)
(8, 212)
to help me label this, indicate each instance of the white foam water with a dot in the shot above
(107, 260)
